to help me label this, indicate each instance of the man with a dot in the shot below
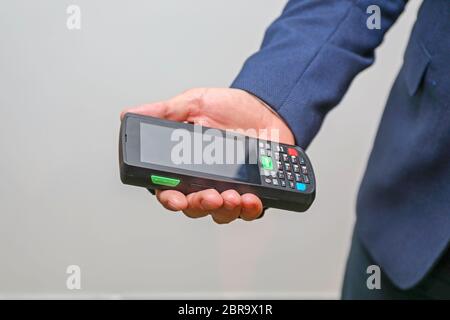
(307, 61)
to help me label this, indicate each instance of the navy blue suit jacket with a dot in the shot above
(308, 58)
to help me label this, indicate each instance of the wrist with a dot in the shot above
(272, 120)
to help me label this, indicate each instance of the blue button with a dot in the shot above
(301, 186)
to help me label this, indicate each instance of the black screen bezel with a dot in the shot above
(132, 147)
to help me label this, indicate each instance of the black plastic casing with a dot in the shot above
(134, 172)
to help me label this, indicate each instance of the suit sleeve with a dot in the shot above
(310, 55)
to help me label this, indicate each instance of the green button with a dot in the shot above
(164, 181)
(266, 162)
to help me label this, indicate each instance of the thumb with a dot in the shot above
(170, 110)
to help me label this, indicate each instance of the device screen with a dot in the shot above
(212, 151)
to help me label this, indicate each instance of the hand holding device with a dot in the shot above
(225, 109)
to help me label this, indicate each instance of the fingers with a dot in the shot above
(224, 208)
(230, 209)
(251, 207)
(202, 203)
(172, 200)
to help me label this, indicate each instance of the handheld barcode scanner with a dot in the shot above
(162, 154)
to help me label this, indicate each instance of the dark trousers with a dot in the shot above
(436, 285)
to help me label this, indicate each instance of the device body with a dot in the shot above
(280, 175)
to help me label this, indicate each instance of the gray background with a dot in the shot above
(61, 200)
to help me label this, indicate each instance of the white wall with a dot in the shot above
(61, 200)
